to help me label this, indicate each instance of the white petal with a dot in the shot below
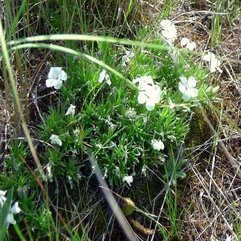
(55, 140)
(2, 193)
(185, 96)
(2, 198)
(212, 66)
(150, 105)
(2, 201)
(184, 41)
(191, 46)
(229, 238)
(166, 23)
(219, 70)
(168, 30)
(102, 76)
(62, 75)
(58, 84)
(128, 180)
(181, 87)
(184, 80)
(51, 82)
(193, 92)
(71, 110)
(206, 57)
(108, 81)
(16, 208)
(10, 219)
(157, 145)
(54, 72)
(154, 94)
(49, 171)
(146, 80)
(169, 34)
(130, 54)
(191, 82)
(142, 98)
(136, 80)
(209, 57)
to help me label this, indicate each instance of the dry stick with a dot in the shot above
(112, 202)
(231, 159)
(213, 160)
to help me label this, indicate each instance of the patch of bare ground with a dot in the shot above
(212, 199)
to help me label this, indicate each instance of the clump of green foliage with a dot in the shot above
(108, 120)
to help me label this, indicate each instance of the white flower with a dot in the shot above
(55, 140)
(157, 145)
(149, 92)
(2, 198)
(71, 110)
(169, 31)
(14, 210)
(214, 63)
(104, 76)
(128, 179)
(56, 76)
(126, 58)
(188, 88)
(189, 45)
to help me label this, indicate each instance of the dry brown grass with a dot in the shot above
(212, 194)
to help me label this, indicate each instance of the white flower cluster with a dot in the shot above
(169, 33)
(13, 210)
(149, 92)
(187, 86)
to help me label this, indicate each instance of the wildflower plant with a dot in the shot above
(123, 125)
(128, 122)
